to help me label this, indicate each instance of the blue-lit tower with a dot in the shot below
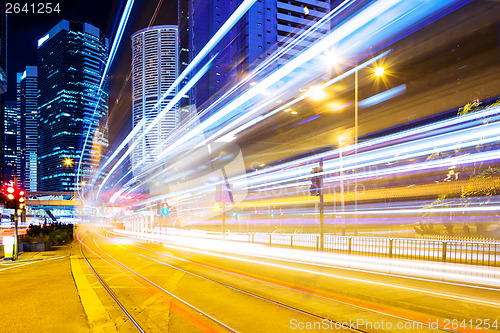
(12, 119)
(27, 89)
(71, 62)
(3, 83)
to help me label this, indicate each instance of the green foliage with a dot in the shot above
(469, 107)
(486, 184)
(51, 235)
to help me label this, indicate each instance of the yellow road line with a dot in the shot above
(98, 318)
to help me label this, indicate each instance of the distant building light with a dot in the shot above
(23, 76)
(43, 40)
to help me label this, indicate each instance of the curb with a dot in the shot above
(98, 318)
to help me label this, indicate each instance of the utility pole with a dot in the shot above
(341, 172)
(321, 210)
(316, 189)
(16, 232)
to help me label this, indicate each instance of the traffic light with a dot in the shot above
(21, 199)
(14, 197)
(9, 192)
(316, 181)
(162, 208)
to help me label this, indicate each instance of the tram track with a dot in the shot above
(275, 285)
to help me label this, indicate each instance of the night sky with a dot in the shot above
(24, 30)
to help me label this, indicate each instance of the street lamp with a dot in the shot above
(68, 162)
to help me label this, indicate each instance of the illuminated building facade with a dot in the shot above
(27, 89)
(3, 84)
(71, 62)
(154, 69)
(268, 27)
(12, 119)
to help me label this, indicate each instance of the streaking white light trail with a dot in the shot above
(112, 54)
(277, 110)
(208, 246)
(232, 20)
(390, 8)
(176, 99)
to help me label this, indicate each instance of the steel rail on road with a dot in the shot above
(111, 293)
(272, 284)
(162, 289)
(289, 307)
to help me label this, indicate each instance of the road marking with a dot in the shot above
(16, 266)
(97, 316)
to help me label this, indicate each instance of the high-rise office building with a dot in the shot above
(27, 90)
(154, 69)
(3, 83)
(12, 119)
(268, 27)
(71, 62)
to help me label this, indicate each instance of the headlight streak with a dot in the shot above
(364, 17)
(230, 248)
(260, 118)
(112, 53)
(322, 45)
(481, 135)
(442, 126)
(368, 269)
(177, 97)
(484, 131)
(231, 21)
(273, 283)
(304, 170)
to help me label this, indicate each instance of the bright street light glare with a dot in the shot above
(379, 71)
(317, 93)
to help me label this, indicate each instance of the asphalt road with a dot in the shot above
(38, 294)
(168, 287)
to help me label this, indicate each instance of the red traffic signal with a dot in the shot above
(15, 197)
(10, 190)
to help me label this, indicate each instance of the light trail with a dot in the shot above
(176, 99)
(275, 178)
(112, 54)
(231, 21)
(230, 248)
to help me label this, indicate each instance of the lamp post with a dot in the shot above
(341, 174)
(379, 71)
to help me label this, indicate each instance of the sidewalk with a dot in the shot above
(38, 294)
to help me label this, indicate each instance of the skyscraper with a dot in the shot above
(3, 83)
(12, 119)
(27, 89)
(154, 69)
(268, 27)
(71, 62)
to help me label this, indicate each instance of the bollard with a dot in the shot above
(444, 251)
(8, 247)
(390, 247)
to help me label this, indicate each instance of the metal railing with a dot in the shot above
(484, 253)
